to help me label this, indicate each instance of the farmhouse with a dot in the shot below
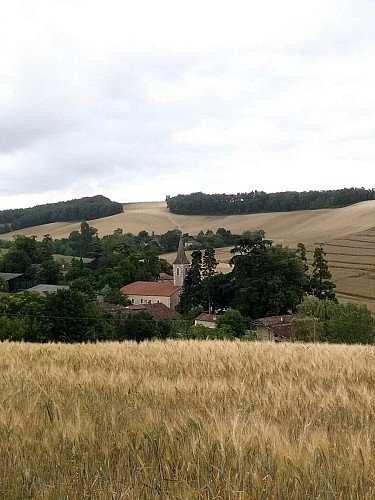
(275, 328)
(205, 319)
(165, 291)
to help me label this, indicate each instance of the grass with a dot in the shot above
(187, 420)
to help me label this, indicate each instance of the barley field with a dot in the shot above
(187, 420)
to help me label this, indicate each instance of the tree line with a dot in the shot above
(266, 279)
(259, 201)
(86, 208)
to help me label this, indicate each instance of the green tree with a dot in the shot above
(49, 272)
(209, 266)
(307, 329)
(191, 295)
(322, 286)
(3, 285)
(66, 311)
(351, 324)
(233, 320)
(268, 280)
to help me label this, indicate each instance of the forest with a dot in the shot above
(87, 208)
(261, 202)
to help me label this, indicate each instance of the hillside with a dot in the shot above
(348, 234)
(288, 228)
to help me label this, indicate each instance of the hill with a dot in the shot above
(348, 234)
(287, 228)
(72, 210)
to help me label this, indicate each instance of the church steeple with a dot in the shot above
(181, 265)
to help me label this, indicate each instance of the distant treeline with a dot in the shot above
(87, 208)
(259, 201)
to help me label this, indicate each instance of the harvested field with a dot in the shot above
(284, 227)
(348, 235)
(187, 420)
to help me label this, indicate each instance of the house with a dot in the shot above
(13, 280)
(205, 319)
(43, 289)
(277, 328)
(158, 311)
(164, 291)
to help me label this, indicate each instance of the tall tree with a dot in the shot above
(302, 254)
(322, 286)
(209, 266)
(191, 295)
(268, 280)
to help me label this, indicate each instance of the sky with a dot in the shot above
(139, 100)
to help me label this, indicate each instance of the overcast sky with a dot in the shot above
(137, 100)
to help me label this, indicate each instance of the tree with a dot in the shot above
(66, 311)
(191, 295)
(268, 280)
(3, 285)
(351, 324)
(321, 285)
(234, 321)
(49, 272)
(341, 323)
(307, 329)
(302, 254)
(221, 291)
(16, 261)
(209, 266)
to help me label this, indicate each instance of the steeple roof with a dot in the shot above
(181, 255)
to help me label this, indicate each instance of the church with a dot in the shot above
(166, 290)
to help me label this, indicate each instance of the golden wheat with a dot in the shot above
(187, 420)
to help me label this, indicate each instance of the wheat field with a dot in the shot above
(187, 420)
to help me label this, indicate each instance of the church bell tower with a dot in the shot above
(181, 265)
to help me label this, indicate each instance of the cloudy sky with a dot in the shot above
(137, 100)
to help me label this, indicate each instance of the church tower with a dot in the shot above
(181, 265)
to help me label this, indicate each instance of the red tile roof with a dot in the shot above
(210, 318)
(157, 311)
(276, 320)
(282, 331)
(151, 288)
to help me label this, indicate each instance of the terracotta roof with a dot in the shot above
(211, 318)
(276, 320)
(151, 288)
(181, 255)
(282, 331)
(157, 311)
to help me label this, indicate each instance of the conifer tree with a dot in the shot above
(191, 295)
(208, 271)
(322, 286)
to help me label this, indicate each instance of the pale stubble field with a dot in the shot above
(348, 235)
(187, 420)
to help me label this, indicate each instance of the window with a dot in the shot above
(141, 301)
(149, 301)
(132, 301)
(178, 271)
